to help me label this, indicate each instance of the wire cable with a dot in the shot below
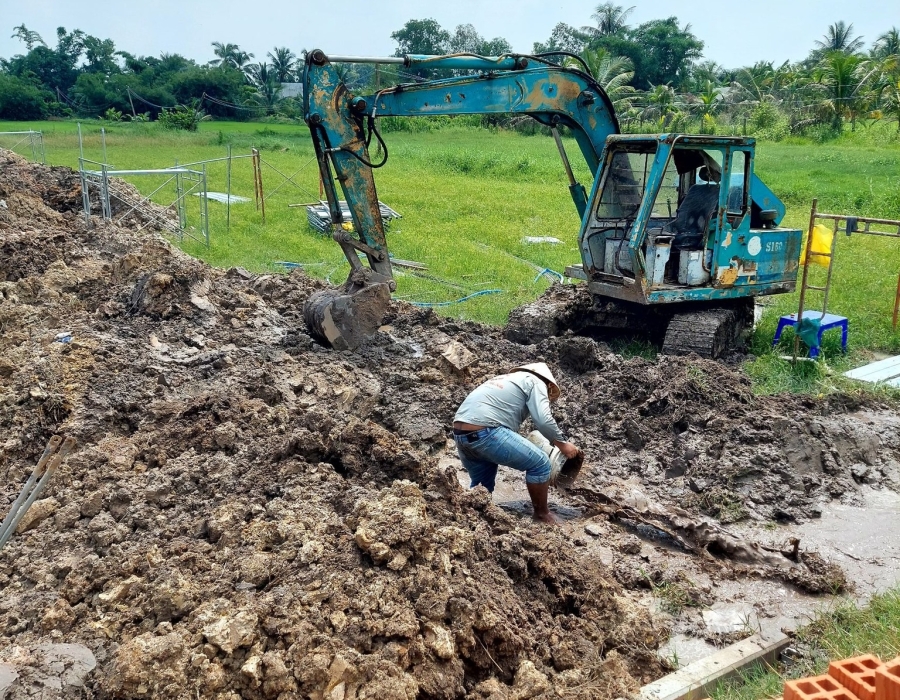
(434, 304)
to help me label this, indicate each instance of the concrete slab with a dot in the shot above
(880, 371)
(696, 680)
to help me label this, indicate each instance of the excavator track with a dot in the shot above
(708, 333)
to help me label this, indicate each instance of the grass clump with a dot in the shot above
(839, 632)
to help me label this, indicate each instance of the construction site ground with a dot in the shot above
(248, 514)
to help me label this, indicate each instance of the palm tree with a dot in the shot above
(888, 44)
(755, 83)
(610, 18)
(844, 78)
(892, 102)
(614, 73)
(241, 60)
(230, 55)
(839, 37)
(223, 53)
(283, 63)
(268, 87)
(662, 106)
(706, 103)
(708, 71)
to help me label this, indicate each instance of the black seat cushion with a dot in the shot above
(693, 216)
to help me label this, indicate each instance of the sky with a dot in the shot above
(735, 33)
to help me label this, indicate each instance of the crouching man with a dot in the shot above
(486, 424)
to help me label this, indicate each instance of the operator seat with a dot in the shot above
(693, 216)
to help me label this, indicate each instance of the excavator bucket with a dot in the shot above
(344, 317)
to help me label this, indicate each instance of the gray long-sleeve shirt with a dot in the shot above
(507, 400)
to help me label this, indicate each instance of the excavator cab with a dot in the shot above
(681, 223)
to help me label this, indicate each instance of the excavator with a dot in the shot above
(678, 235)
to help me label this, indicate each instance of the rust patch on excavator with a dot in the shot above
(727, 276)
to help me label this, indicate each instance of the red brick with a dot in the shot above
(857, 675)
(887, 680)
(817, 688)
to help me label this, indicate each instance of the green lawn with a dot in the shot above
(468, 196)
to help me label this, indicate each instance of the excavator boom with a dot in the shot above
(342, 126)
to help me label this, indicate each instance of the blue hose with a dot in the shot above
(547, 272)
(432, 304)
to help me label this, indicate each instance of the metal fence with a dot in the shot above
(97, 176)
(35, 140)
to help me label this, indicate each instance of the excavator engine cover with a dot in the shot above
(344, 317)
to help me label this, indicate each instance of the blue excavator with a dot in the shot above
(678, 235)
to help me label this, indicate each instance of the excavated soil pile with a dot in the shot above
(250, 515)
(241, 517)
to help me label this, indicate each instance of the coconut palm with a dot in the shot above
(265, 81)
(283, 63)
(614, 73)
(892, 102)
(662, 106)
(230, 55)
(845, 79)
(241, 61)
(839, 37)
(708, 101)
(610, 20)
(755, 83)
(223, 52)
(707, 71)
(888, 44)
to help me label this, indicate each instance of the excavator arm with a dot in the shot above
(343, 126)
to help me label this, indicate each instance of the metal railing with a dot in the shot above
(35, 139)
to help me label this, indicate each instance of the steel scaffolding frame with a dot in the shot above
(187, 182)
(36, 139)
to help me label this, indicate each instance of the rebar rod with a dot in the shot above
(52, 466)
(16, 511)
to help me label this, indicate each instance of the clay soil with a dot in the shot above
(248, 514)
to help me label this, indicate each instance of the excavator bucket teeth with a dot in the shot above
(343, 320)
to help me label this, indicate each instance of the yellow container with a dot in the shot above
(822, 240)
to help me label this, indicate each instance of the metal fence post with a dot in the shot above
(85, 192)
(228, 186)
(204, 211)
(104, 195)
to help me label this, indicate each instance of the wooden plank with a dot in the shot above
(697, 680)
(876, 371)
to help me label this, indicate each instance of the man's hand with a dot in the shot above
(569, 450)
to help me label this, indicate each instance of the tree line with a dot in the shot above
(654, 73)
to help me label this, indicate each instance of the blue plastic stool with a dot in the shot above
(828, 321)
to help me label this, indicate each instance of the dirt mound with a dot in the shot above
(249, 514)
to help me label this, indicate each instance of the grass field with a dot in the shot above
(469, 196)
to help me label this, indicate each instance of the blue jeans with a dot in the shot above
(481, 452)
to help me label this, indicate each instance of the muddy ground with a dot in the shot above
(250, 515)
